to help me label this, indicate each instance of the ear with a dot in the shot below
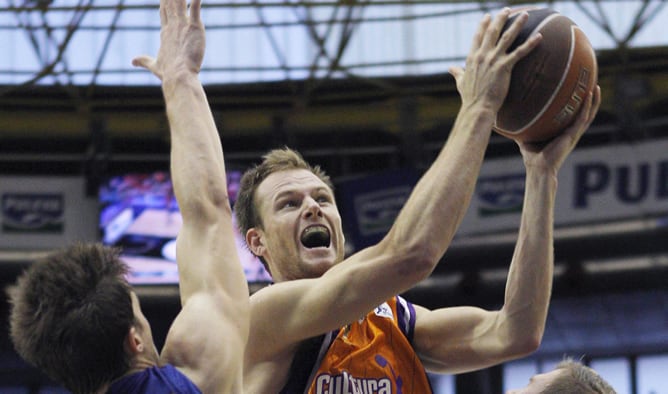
(255, 241)
(133, 341)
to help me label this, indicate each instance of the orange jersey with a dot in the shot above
(370, 356)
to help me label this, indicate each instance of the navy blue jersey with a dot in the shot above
(155, 380)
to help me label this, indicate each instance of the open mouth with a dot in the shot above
(315, 237)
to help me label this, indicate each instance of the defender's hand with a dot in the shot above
(182, 40)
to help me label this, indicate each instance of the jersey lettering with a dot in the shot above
(346, 384)
(371, 356)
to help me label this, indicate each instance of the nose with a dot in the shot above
(312, 208)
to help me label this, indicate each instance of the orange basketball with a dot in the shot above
(549, 85)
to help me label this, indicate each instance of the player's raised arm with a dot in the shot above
(291, 221)
(208, 336)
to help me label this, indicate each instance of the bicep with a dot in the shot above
(457, 339)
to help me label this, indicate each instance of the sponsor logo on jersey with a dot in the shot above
(346, 384)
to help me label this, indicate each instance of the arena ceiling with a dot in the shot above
(340, 80)
(368, 90)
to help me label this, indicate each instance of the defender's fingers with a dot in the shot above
(146, 62)
(163, 12)
(195, 8)
(172, 8)
(141, 61)
(182, 7)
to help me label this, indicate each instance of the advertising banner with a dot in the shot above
(595, 185)
(370, 204)
(40, 213)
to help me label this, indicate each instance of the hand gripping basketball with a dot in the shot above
(549, 85)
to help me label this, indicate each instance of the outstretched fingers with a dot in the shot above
(493, 30)
(163, 13)
(480, 33)
(527, 46)
(195, 8)
(172, 9)
(181, 7)
(509, 36)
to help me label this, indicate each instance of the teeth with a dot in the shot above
(311, 229)
(315, 236)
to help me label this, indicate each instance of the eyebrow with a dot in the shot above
(295, 191)
(283, 194)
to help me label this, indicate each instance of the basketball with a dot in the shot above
(549, 85)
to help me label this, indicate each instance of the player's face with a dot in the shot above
(301, 235)
(538, 383)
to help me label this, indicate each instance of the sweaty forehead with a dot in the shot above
(290, 181)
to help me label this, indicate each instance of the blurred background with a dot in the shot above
(361, 88)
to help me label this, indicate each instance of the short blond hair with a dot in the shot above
(578, 378)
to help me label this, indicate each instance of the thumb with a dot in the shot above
(143, 61)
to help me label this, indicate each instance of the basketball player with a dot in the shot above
(568, 377)
(331, 324)
(74, 314)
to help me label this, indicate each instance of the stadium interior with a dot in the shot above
(610, 294)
